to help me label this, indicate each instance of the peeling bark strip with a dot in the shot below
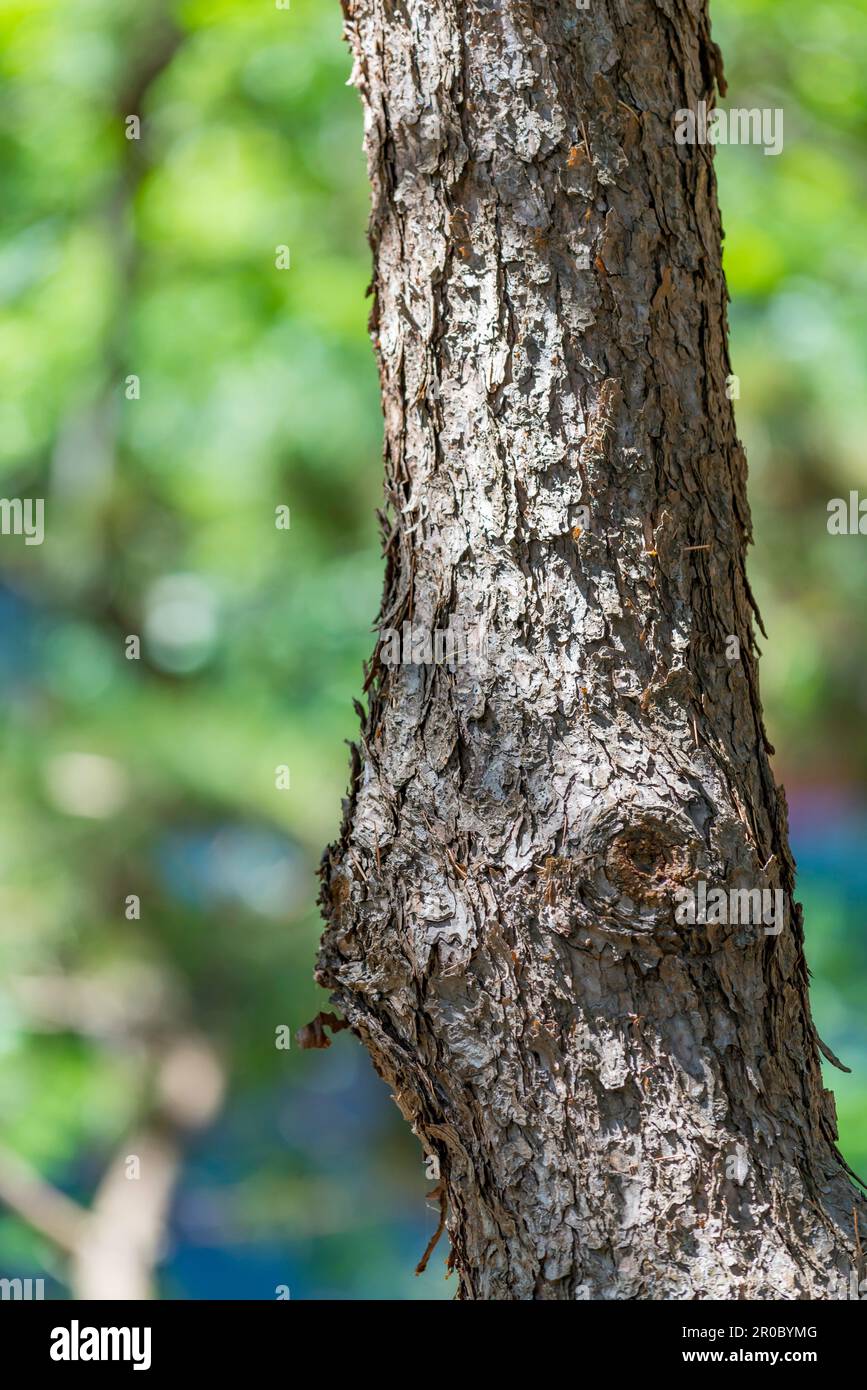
(622, 1107)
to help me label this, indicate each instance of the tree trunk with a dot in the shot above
(623, 1106)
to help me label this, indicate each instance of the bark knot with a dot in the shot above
(633, 859)
(648, 861)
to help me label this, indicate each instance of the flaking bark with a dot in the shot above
(623, 1108)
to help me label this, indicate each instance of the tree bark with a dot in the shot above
(623, 1107)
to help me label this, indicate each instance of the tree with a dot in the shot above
(625, 1104)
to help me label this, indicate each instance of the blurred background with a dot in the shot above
(158, 924)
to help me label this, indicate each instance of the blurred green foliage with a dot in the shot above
(796, 227)
(156, 258)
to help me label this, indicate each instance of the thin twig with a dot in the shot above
(431, 1245)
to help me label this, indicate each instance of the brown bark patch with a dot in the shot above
(648, 862)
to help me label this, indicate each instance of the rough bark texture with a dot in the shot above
(500, 907)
